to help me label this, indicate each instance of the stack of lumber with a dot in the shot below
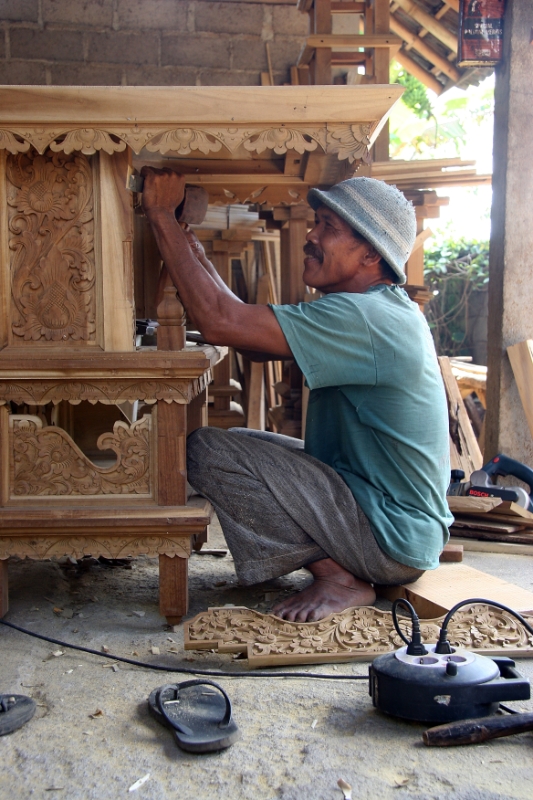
(491, 519)
(429, 173)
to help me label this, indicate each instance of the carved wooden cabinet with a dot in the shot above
(73, 273)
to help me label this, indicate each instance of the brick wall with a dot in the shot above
(147, 42)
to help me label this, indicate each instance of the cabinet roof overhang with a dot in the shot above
(244, 144)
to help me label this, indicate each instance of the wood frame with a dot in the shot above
(68, 308)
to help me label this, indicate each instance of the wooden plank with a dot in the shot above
(464, 447)
(522, 537)
(115, 218)
(491, 546)
(437, 591)
(64, 520)
(173, 588)
(326, 41)
(487, 505)
(521, 358)
(90, 106)
(477, 523)
(171, 427)
(4, 588)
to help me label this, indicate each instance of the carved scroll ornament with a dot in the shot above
(47, 463)
(347, 141)
(51, 225)
(355, 634)
(45, 546)
(103, 390)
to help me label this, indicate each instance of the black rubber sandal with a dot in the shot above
(15, 711)
(201, 719)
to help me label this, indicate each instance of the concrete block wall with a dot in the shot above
(147, 42)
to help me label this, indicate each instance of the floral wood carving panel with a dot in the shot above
(47, 463)
(39, 547)
(104, 390)
(355, 634)
(347, 141)
(51, 227)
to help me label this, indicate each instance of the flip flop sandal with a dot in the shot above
(201, 719)
(15, 711)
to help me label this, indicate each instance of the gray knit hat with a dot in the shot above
(378, 212)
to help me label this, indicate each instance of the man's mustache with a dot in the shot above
(312, 250)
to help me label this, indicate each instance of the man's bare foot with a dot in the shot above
(333, 590)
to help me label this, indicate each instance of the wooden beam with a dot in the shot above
(521, 358)
(356, 40)
(381, 69)
(464, 447)
(348, 8)
(425, 50)
(419, 72)
(432, 25)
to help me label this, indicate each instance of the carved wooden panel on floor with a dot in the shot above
(357, 634)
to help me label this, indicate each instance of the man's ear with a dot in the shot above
(371, 256)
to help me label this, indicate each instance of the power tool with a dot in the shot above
(481, 484)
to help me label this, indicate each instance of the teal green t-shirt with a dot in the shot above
(377, 412)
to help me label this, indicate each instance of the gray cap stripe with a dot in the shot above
(374, 212)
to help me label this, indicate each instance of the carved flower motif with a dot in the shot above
(88, 140)
(183, 141)
(40, 191)
(280, 140)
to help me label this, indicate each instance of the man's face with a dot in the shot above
(333, 255)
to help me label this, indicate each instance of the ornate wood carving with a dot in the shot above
(45, 546)
(358, 634)
(183, 141)
(12, 144)
(51, 224)
(47, 463)
(103, 390)
(88, 140)
(280, 140)
(347, 141)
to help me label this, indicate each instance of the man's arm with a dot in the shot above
(217, 313)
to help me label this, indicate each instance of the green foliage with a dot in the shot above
(453, 271)
(415, 96)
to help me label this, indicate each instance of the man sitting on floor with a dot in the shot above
(362, 502)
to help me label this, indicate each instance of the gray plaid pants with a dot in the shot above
(281, 509)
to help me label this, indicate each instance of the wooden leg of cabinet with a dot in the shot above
(173, 588)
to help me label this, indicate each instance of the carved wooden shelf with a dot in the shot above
(357, 634)
(77, 266)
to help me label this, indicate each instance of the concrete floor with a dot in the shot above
(66, 753)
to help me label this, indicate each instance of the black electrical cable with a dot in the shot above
(415, 647)
(443, 645)
(401, 601)
(184, 670)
